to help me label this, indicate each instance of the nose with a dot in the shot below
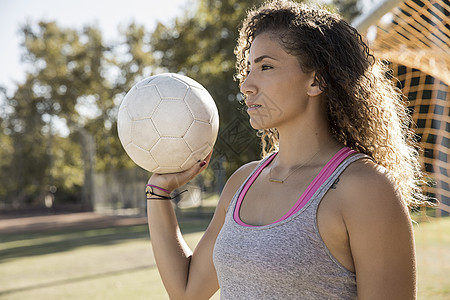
(248, 87)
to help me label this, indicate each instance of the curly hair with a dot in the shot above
(365, 110)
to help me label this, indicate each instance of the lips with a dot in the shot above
(253, 106)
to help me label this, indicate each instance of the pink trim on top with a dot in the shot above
(245, 189)
(323, 175)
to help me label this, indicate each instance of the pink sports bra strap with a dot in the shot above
(246, 187)
(323, 175)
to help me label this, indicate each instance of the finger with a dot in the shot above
(204, 164)
(208, 158)
(194, 170)
(175, 180)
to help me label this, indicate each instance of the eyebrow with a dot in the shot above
(260, 58)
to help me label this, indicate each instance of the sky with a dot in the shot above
(107, 14)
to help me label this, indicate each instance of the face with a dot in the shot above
(277, 91)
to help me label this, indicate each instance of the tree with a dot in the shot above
(349, 9)
(63, 117)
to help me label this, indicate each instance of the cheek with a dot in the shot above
(284, 97)
(293, 96)
(298, 91)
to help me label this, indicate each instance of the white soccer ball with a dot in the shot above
(167, 123)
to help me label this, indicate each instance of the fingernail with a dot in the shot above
(202, 164)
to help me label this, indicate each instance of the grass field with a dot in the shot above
(117, 263)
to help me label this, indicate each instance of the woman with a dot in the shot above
(324, 215)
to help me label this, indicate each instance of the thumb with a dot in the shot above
(196, 169)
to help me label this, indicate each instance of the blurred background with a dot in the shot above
(72, 214)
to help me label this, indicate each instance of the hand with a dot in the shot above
(172, 181)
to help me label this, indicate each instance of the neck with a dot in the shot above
(298, 144)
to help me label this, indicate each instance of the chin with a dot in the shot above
(259, 124)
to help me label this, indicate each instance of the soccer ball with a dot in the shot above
(167, 123)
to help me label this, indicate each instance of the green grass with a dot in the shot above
(110, 263)
(117, 263)
(433, 258)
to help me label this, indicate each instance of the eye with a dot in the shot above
(266, 67)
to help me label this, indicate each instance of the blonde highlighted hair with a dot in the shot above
(365, 110)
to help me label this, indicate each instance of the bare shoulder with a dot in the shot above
(367, 189)
(379, 231)
(244, 171)
(370, 205)
(234, 182)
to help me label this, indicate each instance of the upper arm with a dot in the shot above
(202, 282)
(381, 237)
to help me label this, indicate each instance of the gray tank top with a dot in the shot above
(284, 260)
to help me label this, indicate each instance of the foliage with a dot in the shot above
(65, 108)
(349, 9)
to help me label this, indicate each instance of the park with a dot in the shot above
(73, 215)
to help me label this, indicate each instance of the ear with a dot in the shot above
(314, 88)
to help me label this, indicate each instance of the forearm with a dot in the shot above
(171, 253)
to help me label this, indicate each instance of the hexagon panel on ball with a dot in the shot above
(141, 102)
(170, 89)
(144, 134)
(201, 105)
(124, 125)
(141, 157)
(199, 134)
(172, 118)
(170, 154)
(197, 155)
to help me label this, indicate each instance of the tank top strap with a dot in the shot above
(247, 182)
(319, 180)
(333, 177)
